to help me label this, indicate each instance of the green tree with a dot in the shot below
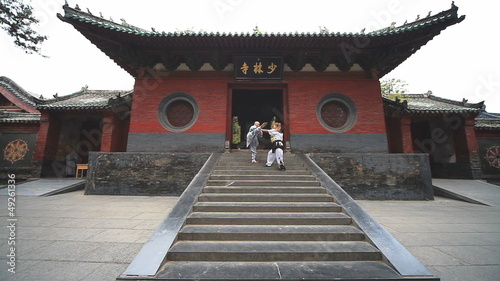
(17, 19)
(393, 86)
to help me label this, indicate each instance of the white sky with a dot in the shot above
(461, 62)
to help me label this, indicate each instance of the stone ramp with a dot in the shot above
(267, 225)
(45, 187)
(472, 191)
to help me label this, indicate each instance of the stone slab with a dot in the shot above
(279, 271)
(472, 191)
(45, 187)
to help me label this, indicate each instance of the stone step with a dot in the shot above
(310, 270)
(262, 183)
(259, 167)
(256, 189)
(273, 251)
(252, 177)
(258, 172)
(254, 218)
(287, 207)
(271, 233)
(246, 154)
(271, 197)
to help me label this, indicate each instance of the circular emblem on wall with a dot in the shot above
(336, 113)
(493, 156)
(178, 112)
(15, 150)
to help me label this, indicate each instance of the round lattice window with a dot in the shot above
(15, 150)
(493, 156)
(334, 114)
(178, 112)
(337, 113)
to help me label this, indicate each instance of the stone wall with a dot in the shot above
(379, 176)
(126, 173)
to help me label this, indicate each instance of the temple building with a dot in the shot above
(200, 92)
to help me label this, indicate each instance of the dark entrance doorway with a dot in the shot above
(250, 105)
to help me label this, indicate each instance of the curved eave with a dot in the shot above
(19, 121)
(406, 109)
(19, 96)
(438, 111)
(73, 108)
(487, 128)
(383, 50)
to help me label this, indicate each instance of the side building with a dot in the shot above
(37, 134)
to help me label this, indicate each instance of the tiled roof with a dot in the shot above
(132, 47)
(19, 117)
(84, 99)
(429, 104)
(18, 92)
(79, 15)
(488, 121)
(87, 100)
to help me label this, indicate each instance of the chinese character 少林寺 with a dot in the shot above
(272, 67)
(257, 68)
(244, 68)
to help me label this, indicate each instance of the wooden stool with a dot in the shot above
(80, 169)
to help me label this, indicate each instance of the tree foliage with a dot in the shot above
(17, 19)
(393, 86)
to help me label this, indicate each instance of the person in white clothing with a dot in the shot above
(276, 153)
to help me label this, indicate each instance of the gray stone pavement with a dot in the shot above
(72, 236)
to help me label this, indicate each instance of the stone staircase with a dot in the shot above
(256, 223)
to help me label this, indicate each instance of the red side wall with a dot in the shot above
(20, 127)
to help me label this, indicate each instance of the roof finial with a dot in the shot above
(100, 14)
(256, 30)
(363, 30)
(65, 2)
(418, 17)
(429, 14)
(393, 25)
(77, 7)
(88, 11)
(323, 30)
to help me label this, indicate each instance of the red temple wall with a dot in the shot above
(304, 96)
(211, 96)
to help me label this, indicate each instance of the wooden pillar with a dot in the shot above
(110, 132)
(472, 147)
(46, 143)
(406, 137)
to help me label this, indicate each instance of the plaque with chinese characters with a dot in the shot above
(258, 68)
